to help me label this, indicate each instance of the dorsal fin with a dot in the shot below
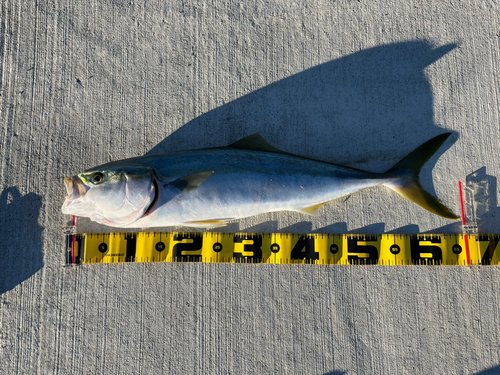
(255, 142)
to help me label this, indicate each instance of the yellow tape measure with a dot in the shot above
(280, 248)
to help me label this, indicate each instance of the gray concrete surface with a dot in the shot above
(359, 83)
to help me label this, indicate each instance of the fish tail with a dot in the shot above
(407, 182)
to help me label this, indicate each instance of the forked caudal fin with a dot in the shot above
(408, 184)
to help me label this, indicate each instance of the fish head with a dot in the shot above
(115, 196)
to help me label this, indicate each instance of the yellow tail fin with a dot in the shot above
(408, 184)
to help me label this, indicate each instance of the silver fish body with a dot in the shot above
(205, 188)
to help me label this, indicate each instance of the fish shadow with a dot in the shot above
(365, 110)
(20, 238)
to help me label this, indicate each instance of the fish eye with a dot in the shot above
(97, 178)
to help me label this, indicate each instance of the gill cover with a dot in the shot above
(113, 198)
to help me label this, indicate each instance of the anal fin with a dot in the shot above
(311, 210)
(206, 223)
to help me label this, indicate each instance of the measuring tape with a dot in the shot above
(280, 248)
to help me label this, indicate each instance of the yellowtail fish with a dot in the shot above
(208, 187)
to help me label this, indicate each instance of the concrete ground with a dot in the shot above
(360, 83)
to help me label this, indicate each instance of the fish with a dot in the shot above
(206, 188)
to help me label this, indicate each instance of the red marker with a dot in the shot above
(73, 243)
(463, 222)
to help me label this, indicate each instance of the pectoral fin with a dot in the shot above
(190, 182)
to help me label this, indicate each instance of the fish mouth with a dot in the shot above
(76, 191)
(75, 188)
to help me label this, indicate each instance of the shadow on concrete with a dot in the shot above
(20, 238)
(365, 110)
(302, 227)
(489, 371)
(455, 227)
(266, 227)
(407, 229)
(337, 228)
(374, 228)
(335, 372)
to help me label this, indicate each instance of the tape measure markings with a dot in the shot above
(282, 248)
